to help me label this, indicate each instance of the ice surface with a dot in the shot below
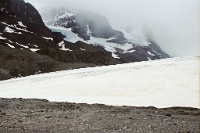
(160, 83)
(69, 35)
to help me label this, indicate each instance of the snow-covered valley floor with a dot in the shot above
(160, 83)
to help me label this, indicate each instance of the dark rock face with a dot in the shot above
(143, 53)
(22, 26)
(22, 10)
(97, 26)
(17, 63)
(80, 53)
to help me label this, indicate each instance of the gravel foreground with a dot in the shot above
(42, 116)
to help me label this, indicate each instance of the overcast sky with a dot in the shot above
(175, 23)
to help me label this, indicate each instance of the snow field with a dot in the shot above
(160, 83)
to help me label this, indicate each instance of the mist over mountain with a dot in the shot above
(174, 23)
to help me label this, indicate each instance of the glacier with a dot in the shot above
(159, 83)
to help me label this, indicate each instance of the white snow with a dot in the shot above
(34, 49)
(130, 51)
(48, 38)
(2, 9)
(65, 49)
(2, 38)
(72, 37)
(148, 58)
(156, 52)
(150, 53)
(62, 45)
(10, 41)
(35, 45)
(4, 23)
(88, 30)
(161, 83)
(22, 45)
(18, 32)
(9, 30)
(69, 35)
(21, 24)
(10, 45)
(82, 49)
(109, 46)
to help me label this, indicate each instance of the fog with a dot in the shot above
(175, 23)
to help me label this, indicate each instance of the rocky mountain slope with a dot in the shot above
(70, 41)
(26, 44)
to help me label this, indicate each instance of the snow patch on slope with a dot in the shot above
(150, 53)
(69, 35)
(21, 24)
(62, 45)
(10, 28)
(2, 38)
(48, 38)
(109, 46)
(11, 46)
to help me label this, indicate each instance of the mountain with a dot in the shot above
(25, 43)
(126, 45)
(66, 40)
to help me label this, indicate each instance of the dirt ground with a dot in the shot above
(42, 116)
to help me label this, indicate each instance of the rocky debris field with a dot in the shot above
(40, 115)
